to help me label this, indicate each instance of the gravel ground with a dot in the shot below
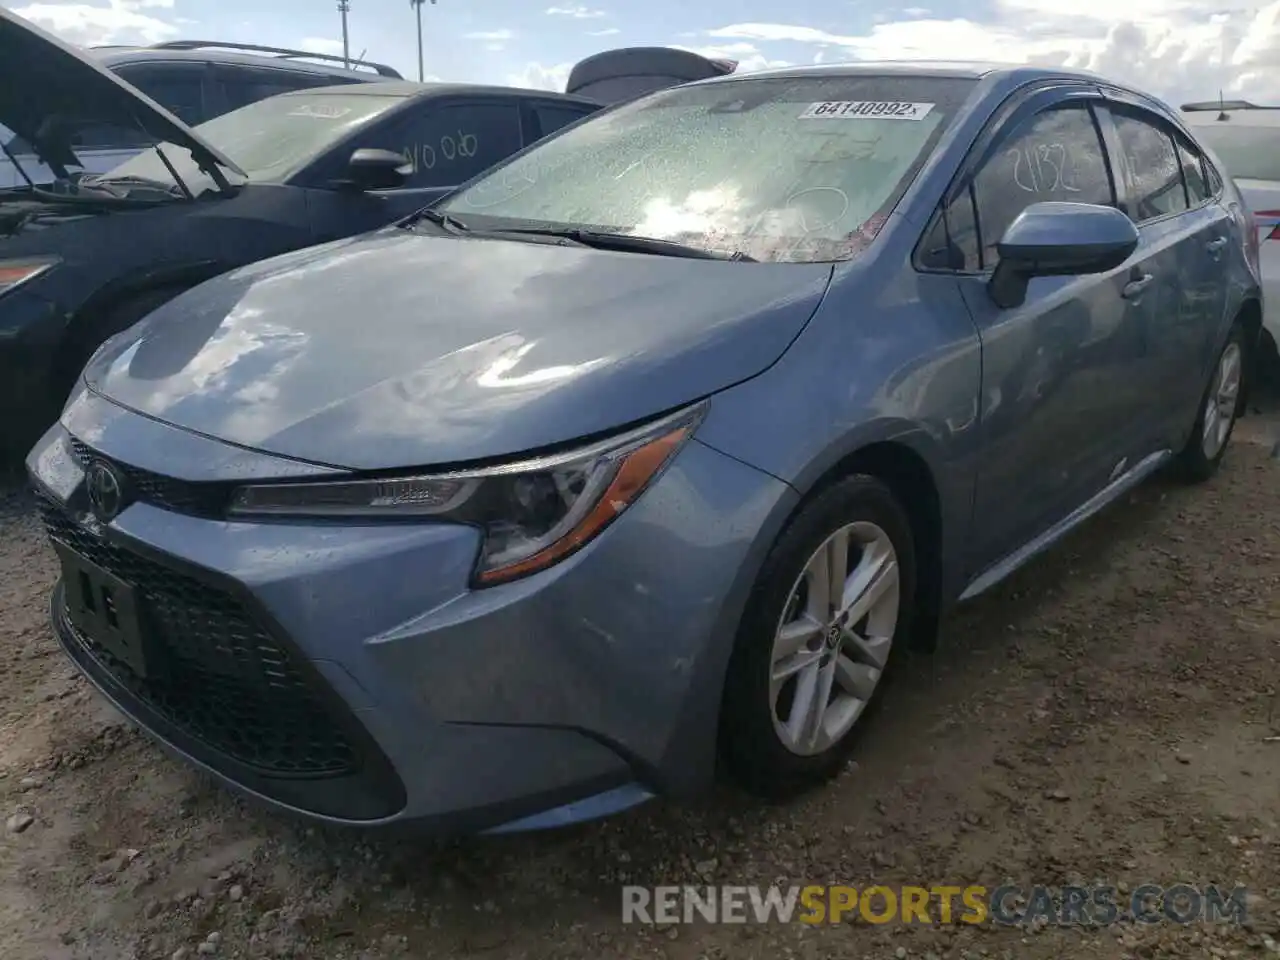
(1110, 715)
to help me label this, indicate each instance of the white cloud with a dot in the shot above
(1176, 49)
(578, 13)
(538, 76)
(606, 32)
(495, 41)
(324, 45)
(116, 21)
(748, 56)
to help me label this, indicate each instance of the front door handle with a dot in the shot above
(1134, 288)
(1215, 246)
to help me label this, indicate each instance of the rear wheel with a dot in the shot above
(827, 615)
(1219, 409)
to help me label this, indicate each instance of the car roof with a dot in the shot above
(116, 56)
(411, 89)
(956, 69)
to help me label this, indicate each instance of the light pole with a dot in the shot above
(417, 7)
(343, 7)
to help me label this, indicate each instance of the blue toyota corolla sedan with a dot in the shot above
(647, 450)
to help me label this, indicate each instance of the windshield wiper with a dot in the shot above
(446, 220)
(604, 240)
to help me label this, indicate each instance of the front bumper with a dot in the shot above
(347, 672)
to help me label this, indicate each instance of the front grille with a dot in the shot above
(180, 496)
(224, 681)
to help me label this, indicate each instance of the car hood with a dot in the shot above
(44, 83)
(398, 349)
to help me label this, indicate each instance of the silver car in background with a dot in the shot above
(1246, 138)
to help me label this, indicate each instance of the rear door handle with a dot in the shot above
(1135, 287)
(1213, 246)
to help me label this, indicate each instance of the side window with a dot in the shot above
(450, 144)
(92, 136)
(1192, 164)
(105, 136)
(179, 88)
(1212, 177)
(1057, 156)
(243, 86)
(952, 244)
(1154, 170)
(551, 117)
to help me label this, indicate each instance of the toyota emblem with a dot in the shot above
(106, 491)
(833, 636)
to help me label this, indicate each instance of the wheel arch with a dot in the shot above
(78, 339)
(1249, 315)
(901, 466)
(120, 290)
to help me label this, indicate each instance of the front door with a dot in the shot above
(1058, 399)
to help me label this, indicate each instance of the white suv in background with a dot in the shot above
(1246, 139)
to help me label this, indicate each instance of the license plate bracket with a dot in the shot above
(107, 610)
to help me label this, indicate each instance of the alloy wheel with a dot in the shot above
(834, 638)
(1220, 407)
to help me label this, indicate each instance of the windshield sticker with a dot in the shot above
(320, 111)
(866, 110)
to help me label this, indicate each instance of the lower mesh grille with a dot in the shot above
(225, 681)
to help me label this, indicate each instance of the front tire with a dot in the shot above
(829, 611)
(1219, 409)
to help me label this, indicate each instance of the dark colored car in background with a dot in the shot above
(87, 255)
(195, 80)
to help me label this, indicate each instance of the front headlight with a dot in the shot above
(14, 273)
(534, 513)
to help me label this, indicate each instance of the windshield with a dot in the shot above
(269, 140)
(1249, 153)
(796, 170)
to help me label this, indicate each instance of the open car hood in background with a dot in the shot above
(43, 81)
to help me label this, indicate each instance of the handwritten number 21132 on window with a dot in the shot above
(1042, 168)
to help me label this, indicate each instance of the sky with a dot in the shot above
(1177, 49)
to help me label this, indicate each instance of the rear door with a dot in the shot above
(1183, 238)
(1247, 143)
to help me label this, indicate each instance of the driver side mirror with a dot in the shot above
(371, 169)
(1055, 239)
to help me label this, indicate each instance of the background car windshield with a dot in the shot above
(271, 139)
(1249, 153)
(785, 169)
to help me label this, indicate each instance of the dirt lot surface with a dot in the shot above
(1109, 715)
